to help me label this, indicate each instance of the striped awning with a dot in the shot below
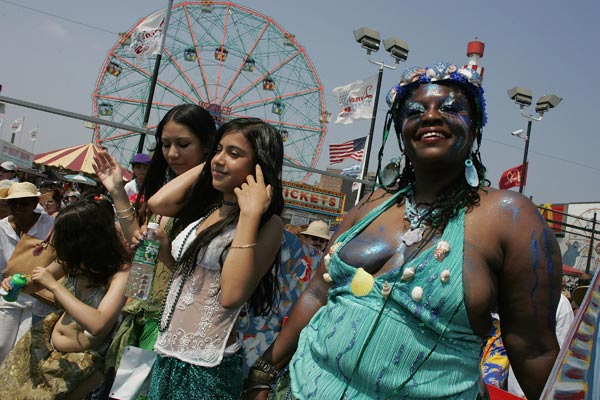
(76, 158)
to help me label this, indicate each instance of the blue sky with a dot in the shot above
(549, 47)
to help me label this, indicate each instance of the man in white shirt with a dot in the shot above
(22, 198)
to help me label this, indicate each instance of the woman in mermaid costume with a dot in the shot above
(403, 297)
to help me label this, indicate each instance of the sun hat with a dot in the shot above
(19, 190)
(141, 158)
(6, 183)
(9, 166)
(319, 229)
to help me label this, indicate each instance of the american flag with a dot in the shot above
(351, 149)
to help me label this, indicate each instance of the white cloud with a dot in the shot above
(56, 29)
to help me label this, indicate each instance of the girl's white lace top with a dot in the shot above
(200, 326)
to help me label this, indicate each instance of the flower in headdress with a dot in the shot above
(411, 75)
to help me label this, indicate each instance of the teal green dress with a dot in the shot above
(364, 345)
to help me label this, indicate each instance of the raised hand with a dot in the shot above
(108, 171)
(253, 195)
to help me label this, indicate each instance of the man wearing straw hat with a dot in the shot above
(22, 199)
(317, 234)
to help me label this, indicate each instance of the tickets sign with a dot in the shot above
(306, 197)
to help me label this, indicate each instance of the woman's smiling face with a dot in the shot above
(436, 124)
(232, 163)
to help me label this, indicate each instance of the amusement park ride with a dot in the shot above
(231, 60)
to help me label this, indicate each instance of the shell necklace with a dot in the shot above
(165, 320)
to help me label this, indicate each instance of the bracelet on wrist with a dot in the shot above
(132, 214)
(242, 246)
(265, 366)
(130, 209)
(256, 376)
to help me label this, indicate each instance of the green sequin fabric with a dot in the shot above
(176, 380)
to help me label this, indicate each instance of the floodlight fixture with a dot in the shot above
(398, 48)
(547, 102)
(520, 95)
(368, 39)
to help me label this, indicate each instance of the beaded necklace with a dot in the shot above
(418, 216)
(165, 321)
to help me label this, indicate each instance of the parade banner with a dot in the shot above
(355, 100)
(352, 171)
(17, 125)
(576, 371)
(298, 265)
(145, 40)
(33, 134)
(512, 177)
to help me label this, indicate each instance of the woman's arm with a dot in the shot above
(170, 198)
(110, 174)
(530, 282)
(252, 252)
(96, 321)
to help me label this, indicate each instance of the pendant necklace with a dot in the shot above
(165, 320)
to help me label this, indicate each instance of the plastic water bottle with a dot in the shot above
(143, 267)
(18, 282)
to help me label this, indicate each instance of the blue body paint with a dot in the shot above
(536, 281)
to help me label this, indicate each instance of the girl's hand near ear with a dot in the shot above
(254, 196)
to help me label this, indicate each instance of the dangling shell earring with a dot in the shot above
(390, 174)
(471, 173)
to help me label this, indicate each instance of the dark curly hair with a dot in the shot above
(200, 123)
(267, 147)
(87, 243)
(457, 194)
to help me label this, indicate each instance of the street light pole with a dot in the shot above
(369, 40)
(522, 96)
(367, 152)
(525, 152)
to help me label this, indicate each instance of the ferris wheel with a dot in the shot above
(233, 61)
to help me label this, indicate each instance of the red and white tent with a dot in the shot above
(76, 158)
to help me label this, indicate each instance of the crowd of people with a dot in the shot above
(402, 304)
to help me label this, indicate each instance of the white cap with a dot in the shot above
(153, 225)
